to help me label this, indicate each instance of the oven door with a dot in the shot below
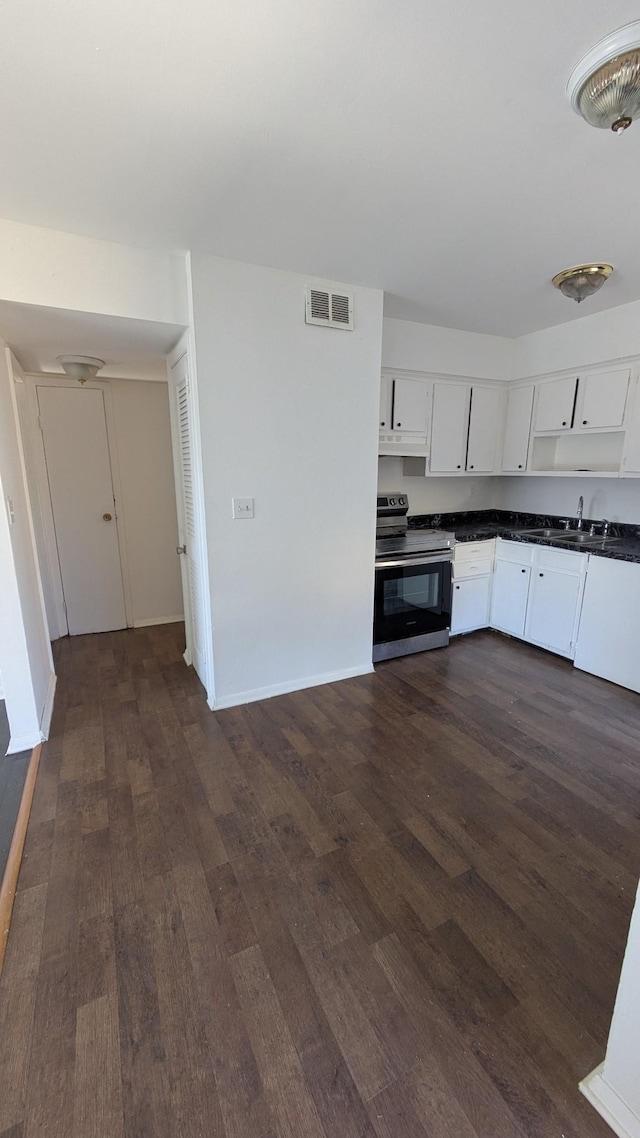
(412, 597)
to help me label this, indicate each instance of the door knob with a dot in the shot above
(181, 549)
(106, 517)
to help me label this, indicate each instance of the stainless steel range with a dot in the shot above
(412, 609)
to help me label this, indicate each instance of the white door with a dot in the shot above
(450, 426)
(483, 429)
(193, 584)
(74, 430)
(509, 597)
(410, 399)
(554, 405)
(552, 608)
(517, 428)
(602, 398)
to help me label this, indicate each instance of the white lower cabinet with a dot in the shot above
(509, 596)
(609, 633)
(537, 594)
(471, 597)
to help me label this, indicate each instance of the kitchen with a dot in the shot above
(507, 467)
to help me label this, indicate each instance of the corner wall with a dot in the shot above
(25, 652)
(288, 416)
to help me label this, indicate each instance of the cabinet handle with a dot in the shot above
(458, 466)
(541, 574)
(457, 586)
(519, 466)
(584, 422)
(471, 467)
(523, 570)
(564, 422)
(383, 424)
(398, 424)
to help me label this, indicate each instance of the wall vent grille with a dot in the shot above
(332, 309)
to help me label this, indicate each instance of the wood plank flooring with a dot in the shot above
(393, 907)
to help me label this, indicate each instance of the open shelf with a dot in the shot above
(594, 454)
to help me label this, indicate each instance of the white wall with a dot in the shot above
(594, 339)
(143, 439)
(614, 1088)
(446, 351)
(431, 495)
(617, 499)
(61, 270)
(288, 416)
(25, 651)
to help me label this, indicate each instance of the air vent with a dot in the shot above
(333, 309)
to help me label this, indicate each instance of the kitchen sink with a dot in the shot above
(548, 533)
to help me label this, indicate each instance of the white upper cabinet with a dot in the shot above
(450, 427)
(517, 428)
(386, 396)
(554, 405)
(602, 399)
(410, 406)
(405, 405)
(483, 429)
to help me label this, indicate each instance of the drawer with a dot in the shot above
(481, 567)
(472, 550)
(519, 552)
(567, 559)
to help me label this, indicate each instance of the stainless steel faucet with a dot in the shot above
(580, 509)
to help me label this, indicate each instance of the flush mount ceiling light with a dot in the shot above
(604, 87)
(582, 280)
(81, 368)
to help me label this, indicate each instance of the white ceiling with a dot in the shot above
(131, 349)
(420, 146)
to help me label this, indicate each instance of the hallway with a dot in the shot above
(386, 908)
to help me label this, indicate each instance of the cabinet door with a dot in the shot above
(602, 398)
(386, 389)
(410, 405)
(554, 405)
(483, 429)
(509, 597)
(552, 609)
(450, 426)
(517, 428)
(471, 601)
(609, 631)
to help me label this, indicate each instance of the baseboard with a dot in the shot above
(19, 743)
(12, 869)
(149, 620)
(609, 1105)
(47, 712)
(288, 686)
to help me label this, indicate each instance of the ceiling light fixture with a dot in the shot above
(582, 280)
(81, 368)
(604, 87)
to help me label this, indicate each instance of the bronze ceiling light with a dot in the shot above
(582, 280)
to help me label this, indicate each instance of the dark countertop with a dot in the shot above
(485, 524)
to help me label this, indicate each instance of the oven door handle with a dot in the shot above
(420, 559)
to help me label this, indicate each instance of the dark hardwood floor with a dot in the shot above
(392, 907)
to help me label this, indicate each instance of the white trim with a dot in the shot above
(616, 43)
(47, 711)
(609, 1105)
(288, 686)
(18, 743)
(149, 620)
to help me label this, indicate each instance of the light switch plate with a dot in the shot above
(242, 507)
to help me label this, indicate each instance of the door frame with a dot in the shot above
(42, 497)
(184, 354)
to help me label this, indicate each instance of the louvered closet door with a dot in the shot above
(192, 583)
